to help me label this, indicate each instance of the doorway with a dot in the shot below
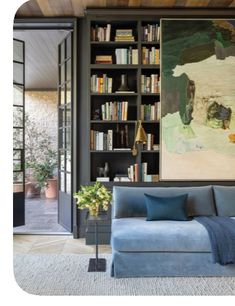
(47, 148)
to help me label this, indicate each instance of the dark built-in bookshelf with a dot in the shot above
(132, 48)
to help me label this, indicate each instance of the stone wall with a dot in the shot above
(41, 107)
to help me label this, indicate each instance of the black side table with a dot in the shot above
(97, 264)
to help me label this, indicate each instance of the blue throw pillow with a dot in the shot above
(167, 208)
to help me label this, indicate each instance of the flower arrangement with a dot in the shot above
(94, 197)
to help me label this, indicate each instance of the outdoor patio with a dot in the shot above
(40, 216)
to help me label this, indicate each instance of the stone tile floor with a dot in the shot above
(40, 216)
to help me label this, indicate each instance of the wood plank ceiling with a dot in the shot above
(49, 8)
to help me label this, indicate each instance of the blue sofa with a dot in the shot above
(166, 248)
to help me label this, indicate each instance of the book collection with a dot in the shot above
(148, 177)
(150, 56)
(150, 142)
(101, 33)
(111, 140)
(101, 141)
(150, 112)
(114, 110)
(126, 56)
(150, 32)
(133, 172)
(150, 84)
(101, 84)
(124, 35)
(103, 59)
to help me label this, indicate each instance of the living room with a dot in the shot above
(145, 101)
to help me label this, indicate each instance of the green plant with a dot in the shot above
(44, 170)
(93, 197)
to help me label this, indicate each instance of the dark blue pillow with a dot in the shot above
(167, 208)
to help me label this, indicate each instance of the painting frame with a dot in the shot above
(163, 156)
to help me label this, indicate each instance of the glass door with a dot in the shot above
(65, 130)
(18, 133)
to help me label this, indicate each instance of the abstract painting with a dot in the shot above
(198, 99)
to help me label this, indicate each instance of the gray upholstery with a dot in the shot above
(130, 202)
(225, 200)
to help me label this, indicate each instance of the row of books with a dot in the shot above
(150, 112)
(124, 35)
(101, 84)
(101, 33)
(114, 110)
(148, 177)
(133, 173)
(150, 32)
(150, 56)
(126, 56)
(101, 141)
(150, 84)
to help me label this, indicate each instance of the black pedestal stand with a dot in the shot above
(96, 264)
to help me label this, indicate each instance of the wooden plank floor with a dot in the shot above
(32, 244)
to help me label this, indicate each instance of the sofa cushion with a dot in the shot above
(166, 208)
(129, 201)
(138, 235)
(225, 200)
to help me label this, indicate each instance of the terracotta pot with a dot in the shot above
(51, 189)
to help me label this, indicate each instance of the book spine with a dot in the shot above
(110, 140)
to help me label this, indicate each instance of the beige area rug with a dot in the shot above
(65, 274)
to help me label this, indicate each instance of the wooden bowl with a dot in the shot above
(231, 137)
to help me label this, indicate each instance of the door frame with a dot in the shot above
(52, 23)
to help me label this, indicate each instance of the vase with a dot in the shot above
(123, 86)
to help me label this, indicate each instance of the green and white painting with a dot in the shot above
(198, 100)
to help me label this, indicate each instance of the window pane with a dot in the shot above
(61, 117)
(62, 158)
(18, 95)
(68, 161)
(17, 165)
(68, 114)
(62, 52)
(68, 138)
(18, 116)
(18, 51)
(68, 47)
(68, 70)
(62, 187)
(17, 154)
(61, 138)
(68, 93)
(18, 138)
(62, 95)
(17, 177)
(68, 183)
(18, 73)
(62, 73)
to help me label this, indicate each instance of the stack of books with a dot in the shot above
(114, 111)
(150, 32)
(101, 84)
(101, 33)
(126, 56)
(150, 56)
(148, 177)
(101, 141)
(150, 84)
(150, 112)
(124, 35)
(103, 59)
(121, 178)
(133, 173)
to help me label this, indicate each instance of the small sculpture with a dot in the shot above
(103, 171)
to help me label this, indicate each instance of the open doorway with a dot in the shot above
(42, 131)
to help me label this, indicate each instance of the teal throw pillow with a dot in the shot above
(166, 208)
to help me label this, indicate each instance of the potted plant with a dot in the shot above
(95, 198)
(44, 174)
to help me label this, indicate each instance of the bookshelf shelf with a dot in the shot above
(106, 105)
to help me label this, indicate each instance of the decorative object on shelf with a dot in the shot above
(103, 171)
(96, 114)
(96, 198)
(124, 35)
(123, 86)
(231, 138)
(140, 137)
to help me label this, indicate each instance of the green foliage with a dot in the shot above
(94, 198)
(44, 170)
